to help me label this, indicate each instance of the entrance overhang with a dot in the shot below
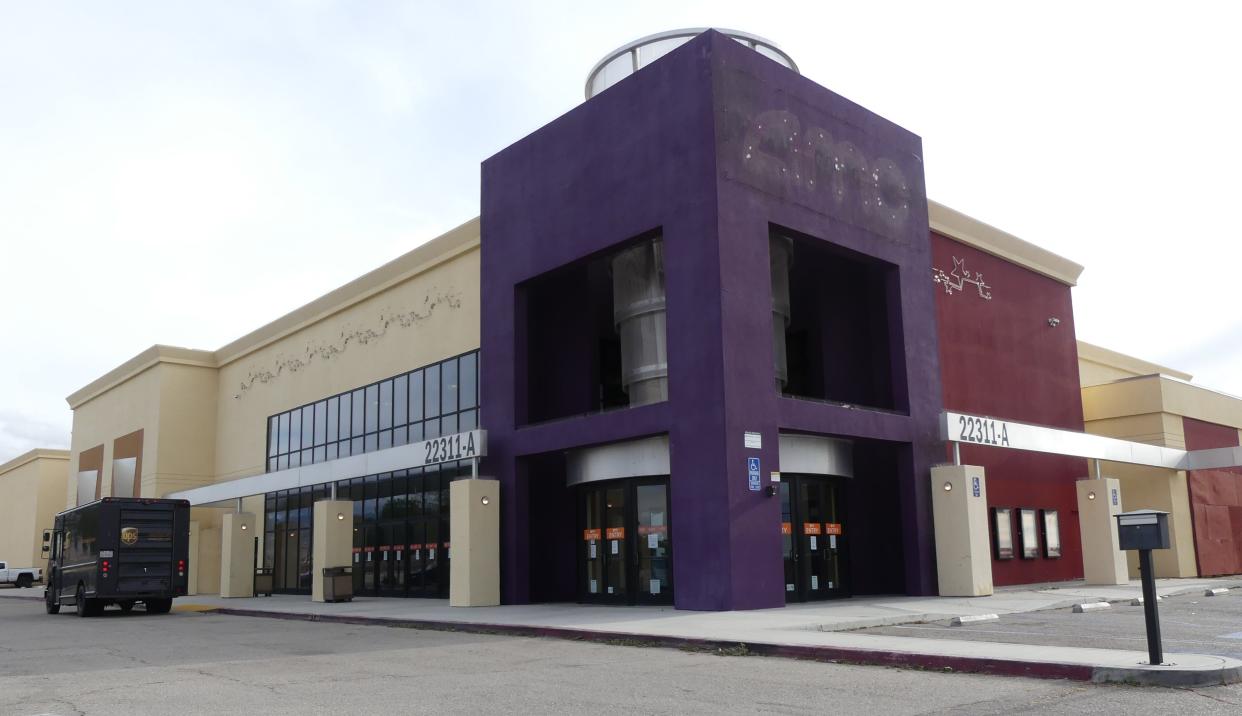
(1008, 434)
(471, 445)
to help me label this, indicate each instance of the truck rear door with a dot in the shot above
(144, 563)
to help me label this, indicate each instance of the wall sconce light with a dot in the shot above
(340, 516)
(1054, 321)
(1090, 495)
(244, 527)
(948, 487)
(485, 500)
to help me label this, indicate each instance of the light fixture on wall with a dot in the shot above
(1054, 321)
(340, 516)
(244, 527)
(1090, 495)
(948, 487)
(485, 500)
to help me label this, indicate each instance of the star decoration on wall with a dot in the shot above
(957, 279)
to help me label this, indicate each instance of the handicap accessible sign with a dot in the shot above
(752, 472)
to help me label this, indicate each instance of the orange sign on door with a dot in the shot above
(811, 528)
(588, 535)
(833, 528)
(786, 528)
(615, 533)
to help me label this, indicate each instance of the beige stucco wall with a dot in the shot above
(31, 493)
(419, 320)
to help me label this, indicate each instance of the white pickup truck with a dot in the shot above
(19, 576)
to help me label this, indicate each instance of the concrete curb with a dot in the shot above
(837, 655)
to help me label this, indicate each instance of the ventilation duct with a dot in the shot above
(638, 301)
(780, 249)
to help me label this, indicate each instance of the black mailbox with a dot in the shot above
(1143, 529)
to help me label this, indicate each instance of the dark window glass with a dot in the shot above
(346, 423)
(468, 393)
(372, 408)
(400, 399)
(370, 495)
(383, 502)
(304, 559)
(295, 430)
(398, 436)
(334, 408)
(448, 387)
(416, 396)
(385, 405)
(273, 436)
(448, 424)
(416, 432)
(283, 446)
(469, 420)
(359, 411)
(321, 422)
(431, 401)
(431, 429)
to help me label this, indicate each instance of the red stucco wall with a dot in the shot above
(1215, 502)
(1001, 358)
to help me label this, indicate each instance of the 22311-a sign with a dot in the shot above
(982, 431)
(459, 446)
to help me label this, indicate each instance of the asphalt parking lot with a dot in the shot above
(195, 663)
(1188, 622)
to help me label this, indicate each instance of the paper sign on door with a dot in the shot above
(616, 546)
(653, 541)
(814, 543)
(833, 528)
(814, 582)
(812, 528)
(591, 550)
(786, 528)
(615, 533)
(589, 535)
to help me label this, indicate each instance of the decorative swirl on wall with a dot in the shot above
(315, 351)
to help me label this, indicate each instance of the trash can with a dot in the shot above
(338, 584)
(263, 582)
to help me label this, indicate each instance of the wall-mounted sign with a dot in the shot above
(587, 535)
(833, 528)
(1002, 532)
(959, 277)
(752, 473)
(615, 533)
(1028, 530)
(459, 446)
(1052, 534)
(786, 528)
(812, 528)
(974, 486)
(752, 441)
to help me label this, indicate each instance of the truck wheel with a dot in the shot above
(80, 605)
(50, 603)
(24, 581)
(126, 606)
(159, 606)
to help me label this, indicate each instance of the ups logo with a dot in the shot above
(129, 535)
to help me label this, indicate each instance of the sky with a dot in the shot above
(182, 173)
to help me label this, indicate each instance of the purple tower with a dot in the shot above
(780, 319)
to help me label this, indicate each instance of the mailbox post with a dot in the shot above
(1145, 530)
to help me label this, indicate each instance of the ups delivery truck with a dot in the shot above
(120, 551)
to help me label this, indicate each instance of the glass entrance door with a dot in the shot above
(812, 534)
(625, 547)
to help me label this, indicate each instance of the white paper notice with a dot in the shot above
(418, 554)
(385, 557)
(610, 590)
(655, 586)
(355, 558)
(789, 587)
(591, 549)
(814, 582)
(814, 543)
(594, 586)
(653, 541)
(368, 556)
(832, 541)
(752, 441)
(431, 553)
(398, 556)
(616, 546)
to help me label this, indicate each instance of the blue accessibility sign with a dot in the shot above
(752, 471)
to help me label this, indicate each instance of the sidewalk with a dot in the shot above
(821, 631)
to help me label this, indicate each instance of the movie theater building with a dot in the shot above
(708, 345)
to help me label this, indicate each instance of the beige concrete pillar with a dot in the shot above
(332, 542)
(192, 577)
(237, 555)
(1102, 561)
(474, 534)
(960, 512)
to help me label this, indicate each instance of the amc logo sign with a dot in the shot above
(809, 165)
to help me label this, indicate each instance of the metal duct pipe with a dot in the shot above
(638, 301)
(780, 250)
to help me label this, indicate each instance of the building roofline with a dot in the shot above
(422, 258)
(31, 456)
(989, 239)
(1138, 366)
